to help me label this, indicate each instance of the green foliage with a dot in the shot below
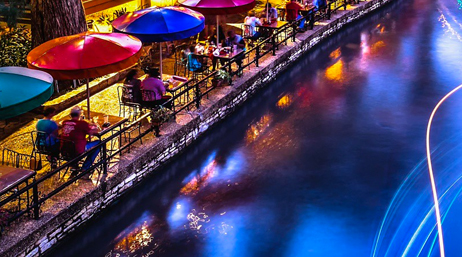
(11, 11)
(106, 19)
(15, 44)
(222, 75)
(160, 115)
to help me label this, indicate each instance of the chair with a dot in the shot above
(125, 100)
(198, 65)
(149, 104)
(181, 61)
(43, 144)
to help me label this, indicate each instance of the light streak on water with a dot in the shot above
(407, 228)
(431, 173)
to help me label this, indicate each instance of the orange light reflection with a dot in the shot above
(285, 101)
(258, 128)
(335, 72)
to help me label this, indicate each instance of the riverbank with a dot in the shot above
(177, 135)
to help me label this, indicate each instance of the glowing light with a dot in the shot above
(137, 237)
(430, 172)
(335, 54)
(163, 3)
(285, 101)
(377, 46)
(258, 128)
(449, 29)
(335, 72)
(200, 181)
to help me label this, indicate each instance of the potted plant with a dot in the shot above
(158, 117)
(221, 78)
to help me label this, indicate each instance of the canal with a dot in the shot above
(329, 160)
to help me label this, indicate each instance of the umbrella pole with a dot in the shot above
(160, 47)
(88, 99)
(218, 30)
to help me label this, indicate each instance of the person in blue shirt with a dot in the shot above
(320, 4)
(48, 138)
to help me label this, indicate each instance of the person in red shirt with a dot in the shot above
(292, 10)
(76, 130)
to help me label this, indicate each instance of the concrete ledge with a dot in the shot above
(134, 167)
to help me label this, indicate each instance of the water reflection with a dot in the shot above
(135, 238)
(310, 166)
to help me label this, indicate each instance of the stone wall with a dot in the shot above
(147, 162)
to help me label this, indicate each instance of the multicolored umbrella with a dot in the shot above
(218, 7)
(22, 90)
(160, 24)
(85, 55)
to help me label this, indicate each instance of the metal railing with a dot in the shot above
(41, 190)
(192, 94)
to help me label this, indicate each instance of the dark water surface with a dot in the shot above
(328, 161)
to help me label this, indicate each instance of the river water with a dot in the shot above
(329, 160)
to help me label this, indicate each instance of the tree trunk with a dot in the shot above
(56, 18)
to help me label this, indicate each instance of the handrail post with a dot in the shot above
(273, 41)
(257, 55)
(36, 207)
(329, 10)
(344, 4)
(104, 150)
(311, 20)
(198, 95)
(294, 30)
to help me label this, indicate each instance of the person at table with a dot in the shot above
(235, 40)
(252, 22)
(293, 9)
(48, 136)
(155, 94)
(319, 4)
(270, 13)
(76, 130)
(133, 86)
(212, 39)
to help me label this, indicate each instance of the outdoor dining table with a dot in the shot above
(98, 121)
(224, 56)
(273, 25)
(12, 178)
(268, 29)
(175, 85)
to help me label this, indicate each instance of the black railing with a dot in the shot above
(120, 141)
(41, 191)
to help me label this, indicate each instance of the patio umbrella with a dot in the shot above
(85, 55)
(160, 24)
(218, 7)
(23, 89)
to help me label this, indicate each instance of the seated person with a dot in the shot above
(76, 130)
(319, 4)
(212, 39)
(270, 14)
(252, 23)
(154, 84)
(293, 12)
(133, 84)
(48, 139)
(235, 40)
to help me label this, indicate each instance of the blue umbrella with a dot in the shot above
(160, 24)
(23, 89)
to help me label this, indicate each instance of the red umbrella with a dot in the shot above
(85, 55)
(218, 7)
